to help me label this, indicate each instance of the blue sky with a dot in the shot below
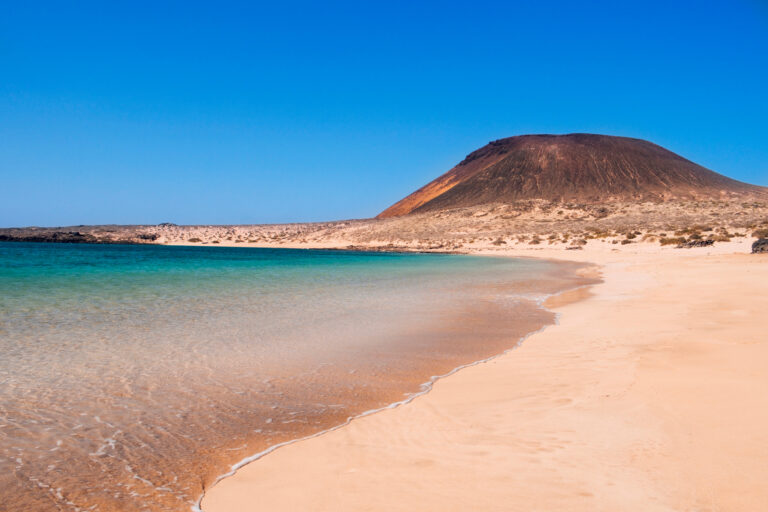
(241, 112)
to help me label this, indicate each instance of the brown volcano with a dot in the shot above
(576, 167)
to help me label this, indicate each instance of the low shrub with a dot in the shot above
(672, 241)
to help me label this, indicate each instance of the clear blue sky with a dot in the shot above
(243, 112)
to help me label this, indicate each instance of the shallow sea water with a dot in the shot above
(131, 377)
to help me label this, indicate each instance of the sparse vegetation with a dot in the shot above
(672, 241)
(669, 223)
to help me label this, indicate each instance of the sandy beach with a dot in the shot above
(649, 395)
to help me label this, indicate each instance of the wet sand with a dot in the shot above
(648, 395)
(136, 384)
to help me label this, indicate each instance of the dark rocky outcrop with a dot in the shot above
(48, 235)
(760, 246)
(695, 243)
(72, 237)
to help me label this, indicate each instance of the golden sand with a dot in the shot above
(649, 395)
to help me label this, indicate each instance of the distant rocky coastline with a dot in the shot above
(70, 237)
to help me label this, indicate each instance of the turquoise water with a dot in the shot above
(132, 376)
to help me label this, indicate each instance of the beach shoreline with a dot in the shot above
(349, 333)
(549, 442)
(583, 276)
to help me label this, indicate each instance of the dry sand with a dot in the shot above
(651, 394)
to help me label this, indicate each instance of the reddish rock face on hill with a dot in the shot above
(576, 167)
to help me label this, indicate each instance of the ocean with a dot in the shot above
(132, 377)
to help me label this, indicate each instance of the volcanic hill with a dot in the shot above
(578, 167)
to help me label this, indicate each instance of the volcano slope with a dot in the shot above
(581, 168)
